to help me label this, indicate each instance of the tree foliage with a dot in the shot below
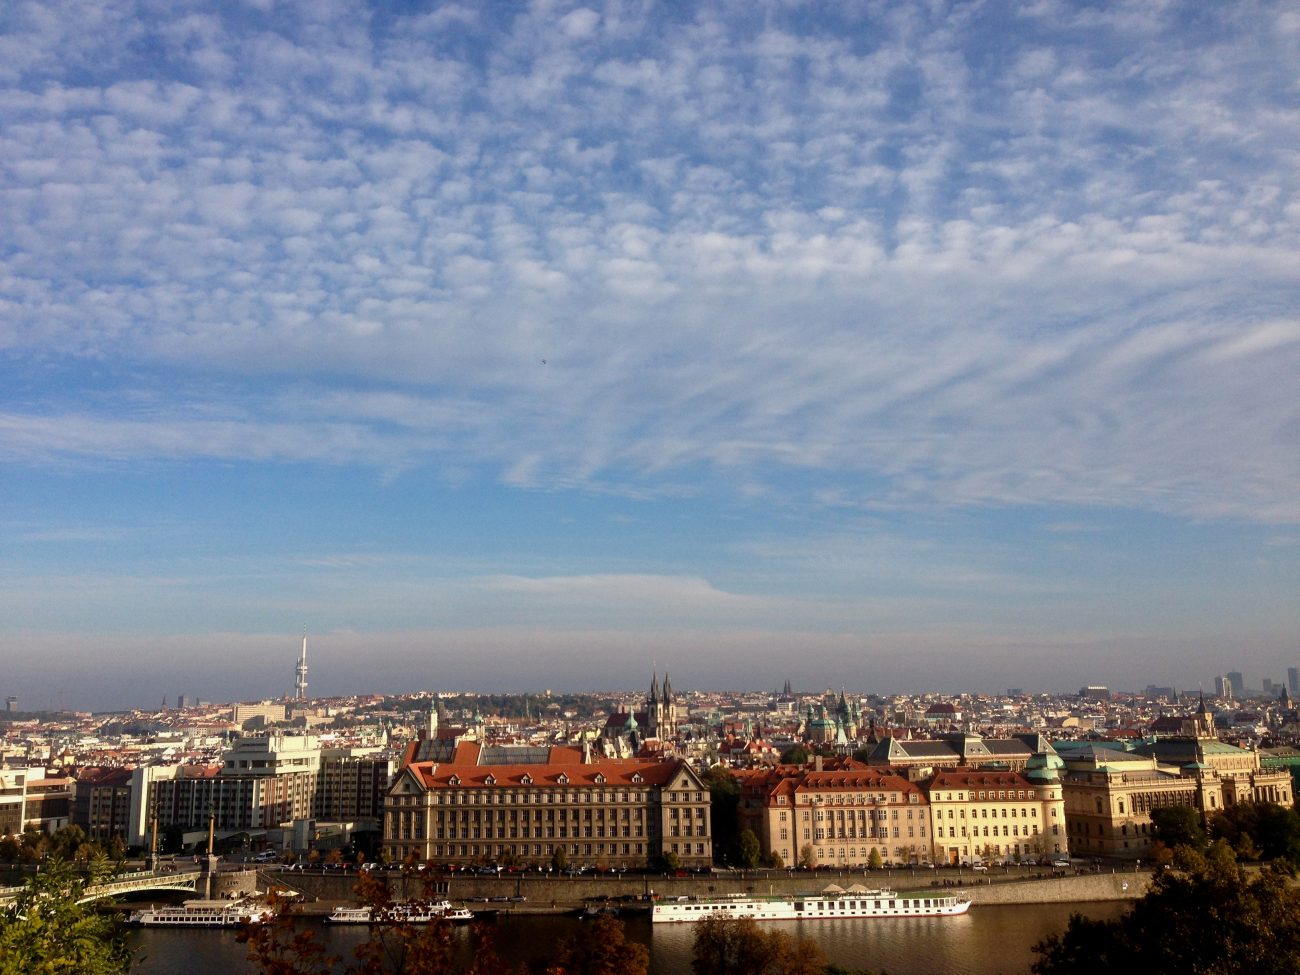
(749, 850)
(874, 860)
(798, 755)
(1208, 916)
(46, 932)
(600, 948)
(724, 800)
(1178, 826)
(738, 946)
(807, 856)
(1258, 830)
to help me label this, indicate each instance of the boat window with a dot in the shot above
(891, 903)
(927, 903)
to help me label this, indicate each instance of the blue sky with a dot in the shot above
(943, 346)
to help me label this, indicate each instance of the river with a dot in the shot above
(992, 940)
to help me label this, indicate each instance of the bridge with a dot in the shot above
(128, 883)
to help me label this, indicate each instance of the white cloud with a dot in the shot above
(1049, 266)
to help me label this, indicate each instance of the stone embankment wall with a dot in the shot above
(543, 892)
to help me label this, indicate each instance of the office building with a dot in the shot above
(1238, 683)
(602, 813)
(1293, 680)
(102, 803)
(1223, 688)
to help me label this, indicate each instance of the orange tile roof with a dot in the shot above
(435, 776)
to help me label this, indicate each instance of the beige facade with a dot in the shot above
(841, 816)
(986, 814)
(602, 814)
(1111, 793)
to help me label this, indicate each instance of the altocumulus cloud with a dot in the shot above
(960, 253)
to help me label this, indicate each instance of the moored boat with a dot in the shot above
(833, 902)
(202, 914)
(417, 913)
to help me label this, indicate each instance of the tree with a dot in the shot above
(279, 948)
(873, 859)
(774, 861)
(560, 860)
(334, 856)
(48, 933)
(1259, 829)
(749, 849)
(1178, 826)
(807, 857)
(600, 948)
(862, 755)
(724, 801)
(671, 861)
(738, 946)
(798, 755)
(1208, 917)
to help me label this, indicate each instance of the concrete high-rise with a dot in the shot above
(1293, 680)
(1223, 688)
(1238, 685)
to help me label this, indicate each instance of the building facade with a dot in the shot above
(102, 803)
(602, 814)
(993, 815)
(352, 784)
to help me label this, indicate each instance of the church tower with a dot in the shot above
(669, 707)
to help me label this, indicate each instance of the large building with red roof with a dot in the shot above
(485, 805)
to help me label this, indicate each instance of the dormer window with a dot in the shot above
(600, 779)
(563, 779)
(527, 780)
(636, 777)
(454, 780)
(490, 780)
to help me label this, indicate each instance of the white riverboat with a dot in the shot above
(202, 914)
(420, 913)
(833, 902)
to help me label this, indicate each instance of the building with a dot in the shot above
(48, 802)
(950, 751)
(300, 671)
(994, 815)
(102, 803)
(268, 711)
(943, 714)
(1111, 789)
(842, 816)
(601, 813)
(1238, 683)
(1223, 687)
(1293, 680)
(261, 782)
(658, 720)
(1094, 693)
(13, 797)
(11, 704)
(352, 784)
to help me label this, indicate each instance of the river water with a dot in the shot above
(992, 940)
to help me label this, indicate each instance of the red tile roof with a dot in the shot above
(435, 776)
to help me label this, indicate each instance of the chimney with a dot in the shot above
(817, 763)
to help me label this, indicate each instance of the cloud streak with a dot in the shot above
(964, 254)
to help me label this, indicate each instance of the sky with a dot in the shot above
(895, 346)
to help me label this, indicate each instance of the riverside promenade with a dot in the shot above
(547, 894)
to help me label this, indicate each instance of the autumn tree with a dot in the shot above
(600, 948)
(749, 850)
(738, 946)
(873, 859)
(48, 933)
(278, 947)
(1208, 916)
(559, 860)
(1256, 830)
(774, 861)
(807, 856)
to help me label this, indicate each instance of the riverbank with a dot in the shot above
(545, 895)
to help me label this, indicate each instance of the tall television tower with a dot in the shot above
(300, 672)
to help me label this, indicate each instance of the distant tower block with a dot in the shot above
(11, 704)
(300, 672)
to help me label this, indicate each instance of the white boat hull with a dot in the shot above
(811, 907)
